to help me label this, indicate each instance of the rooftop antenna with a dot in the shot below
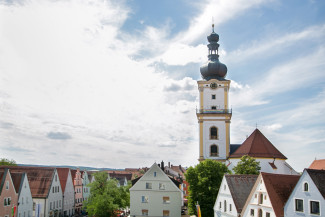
(212, 24)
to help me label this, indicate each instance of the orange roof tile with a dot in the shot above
(318, 164)
(257, 145)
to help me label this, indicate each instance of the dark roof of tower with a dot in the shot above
(240, 187)
(279, 188)
(257, 145)
(213, 69)
(318, 177)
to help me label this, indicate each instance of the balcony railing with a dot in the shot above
(214, 111)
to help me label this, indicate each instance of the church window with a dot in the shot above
(214, 107)
(214, 151)
(305, 186)
(213, 96)
(213, 133)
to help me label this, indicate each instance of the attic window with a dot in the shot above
(154, 174)
(7, 185)
(306, 186)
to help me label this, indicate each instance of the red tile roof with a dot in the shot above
(63, 177)
(318, 164)
(279, 188)
(257, 145)
(120, 174)
(40, 179)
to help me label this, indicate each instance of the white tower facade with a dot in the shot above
(214, 114)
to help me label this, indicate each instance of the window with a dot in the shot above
(161, 186)
(314, 207)
(50, 205)
(299, 205)
(148, 185)
(220, 205)
(305, 186)
(7, 185)
(214, 151)
(165, 213)
(56, 178)
(214, 107)
(252, 212)
(166, 200)
(260, 201)
(255, 195)
(22, 200)
(224, 187)
(145, 212)
(267, 214)
(260, 213)
(34, 206)
(213, 96)
(144, 199)
(154, 174)
(213, 133)
(53, 189)
(7, 201)
(229, 207)
(225, 206)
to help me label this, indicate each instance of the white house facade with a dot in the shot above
(85, 187)
(308, 197)
(232, 195)
(25, 200)
(154, 194)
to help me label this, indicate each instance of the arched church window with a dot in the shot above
(214, 151)
(213, 133)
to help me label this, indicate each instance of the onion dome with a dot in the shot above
(213, 69)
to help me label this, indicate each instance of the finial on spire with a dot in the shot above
(212, 24)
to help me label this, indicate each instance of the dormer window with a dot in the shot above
(306, 186)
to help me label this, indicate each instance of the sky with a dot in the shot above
(113, 83)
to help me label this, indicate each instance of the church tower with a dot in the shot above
(214, 114)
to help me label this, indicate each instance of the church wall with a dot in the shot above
(209, 102)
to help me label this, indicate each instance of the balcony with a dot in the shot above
(214, 111)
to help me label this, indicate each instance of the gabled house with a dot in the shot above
(318, 164)
(308, 197)
(121, 176)
(67, 191)
(233, 193)
(269, 195)
(259, 147)
(155, 194)
(77, 183)
(8, 194)
(45, 188)
(85, 187)
(25, 200)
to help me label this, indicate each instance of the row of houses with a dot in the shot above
(42, 191)
(272, 195)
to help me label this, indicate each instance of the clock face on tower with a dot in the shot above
(213, 85)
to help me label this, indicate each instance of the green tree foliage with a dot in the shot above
(105, 197)
(204, 181)
(6, 162)
(247, 165)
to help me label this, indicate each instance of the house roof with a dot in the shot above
(17, 179)
(318, 164)
(120, 174)
(279, 188)
(63, 177)
(40, 179)
(240, 187)
(318, 177)
(257, 145)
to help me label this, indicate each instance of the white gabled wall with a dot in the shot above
(155, 204)
(224, 195)
(25, 200)
(54, 200)
(68, 200)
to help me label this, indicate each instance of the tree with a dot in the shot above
(6, 162)
(247, 165)
(105, 197)
(204, 181)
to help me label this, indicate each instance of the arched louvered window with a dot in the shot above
(214, 152)
(213, 133)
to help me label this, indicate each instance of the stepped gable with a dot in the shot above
(318, 164)
(318, 177)
(279, 188)
(240, 187)
(63, 177)
(257, 146)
